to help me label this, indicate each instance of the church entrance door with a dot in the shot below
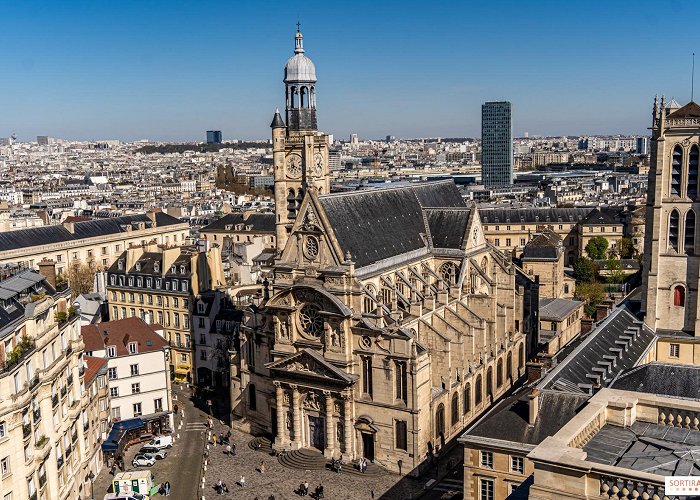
(316, 434)
(368, 446)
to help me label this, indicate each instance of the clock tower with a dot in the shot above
(299, 151)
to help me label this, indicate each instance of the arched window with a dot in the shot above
(252, 400)
(477, 391)
(467, 399)
(291, 204)
(521, 357)
(489, 382)
(455, 408)
(303, 102)
(679, 296)
(693, 158)
(485, 265)
(499, 373)
(676, 168)
(448, 271)
(509, 366)
(368, 302)
(293, 95)
(673, 230)
(440, 420)
(689, 233)
(386, 296)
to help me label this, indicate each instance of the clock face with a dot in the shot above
(318, 163)
(294, 165)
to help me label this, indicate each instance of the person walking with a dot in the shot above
(213, 438)
(219, 487)
(167, 488)
(242, 481)
(306, 487)
(262, 467)
(228, 449)
(233, 449)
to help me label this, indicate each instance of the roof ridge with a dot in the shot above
(384, 188)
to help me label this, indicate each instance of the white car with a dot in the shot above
(161, 442)
(143, 461)
(155, 452)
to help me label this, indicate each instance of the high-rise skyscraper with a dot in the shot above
(213, 136)
(496, 144)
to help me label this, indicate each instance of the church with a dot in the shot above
(389, 324)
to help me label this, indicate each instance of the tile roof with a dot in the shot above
(690, 110)
(92, 367)
(120, 333)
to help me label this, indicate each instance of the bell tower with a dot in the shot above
(671, 251)
(299, 151)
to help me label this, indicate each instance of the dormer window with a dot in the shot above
(120, 264)
(182, 269)
(139, 282)
(229, 227)
(138, 266)
(133, 347)
(113, 280)
(158, 281)
(201, 307)
(131, 281)
(184, 286)
(156, 267)
(111, 351)
(149, 282)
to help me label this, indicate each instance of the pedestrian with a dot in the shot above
(233, 449)
(219, 487)
(167, 488)
(319, 494)
(242, 481)
(372, 493)
(213, 438)
(228, 449)
(262, 467)
(221, 437)
(306, 487)
(225, 488)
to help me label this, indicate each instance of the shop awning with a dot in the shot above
(117, 432)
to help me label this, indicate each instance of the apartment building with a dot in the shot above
(45, 450)
(98, 241)
(137, 370)
(241, 227)
(159, 285)
(95, 418)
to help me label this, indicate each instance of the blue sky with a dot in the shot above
(170, 70)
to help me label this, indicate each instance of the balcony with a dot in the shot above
(17, 355)
(34, 381)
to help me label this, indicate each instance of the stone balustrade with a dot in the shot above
(629, 488)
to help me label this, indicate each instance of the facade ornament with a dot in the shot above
(365, 342)
(311, 401)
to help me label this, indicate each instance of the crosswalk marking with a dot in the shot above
(195, 426)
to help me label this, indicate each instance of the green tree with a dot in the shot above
(590, 293)
(626, 248)
(585, 270)
(597, 247)
(614, 271)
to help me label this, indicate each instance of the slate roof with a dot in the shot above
(448, 226)
(599, 217)
(119, 333)
(378, 224)
(509, 419)
(533, 215)
(34, 236)
(557, 309)
(668, 379)
(612, 347)
(262, 223)
(690, 110)
(545, 245)
(652, 448)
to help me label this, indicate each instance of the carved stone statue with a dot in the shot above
(311, 402)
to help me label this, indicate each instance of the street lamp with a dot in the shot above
(91, 476)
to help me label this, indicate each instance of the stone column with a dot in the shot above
(330, 426)
(347, 427)
(296, 417)
(281, 437)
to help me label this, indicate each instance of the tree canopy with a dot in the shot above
(597, 247)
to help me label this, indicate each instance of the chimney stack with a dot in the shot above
(533, 406)
(47, 268)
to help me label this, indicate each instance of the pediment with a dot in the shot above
(307, 363)
(297, 295)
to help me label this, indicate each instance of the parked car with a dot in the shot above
(143, 461)
(161, 442)
(152, 450)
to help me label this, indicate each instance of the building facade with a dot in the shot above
(46, 452)
(159, 285)
(496, 144)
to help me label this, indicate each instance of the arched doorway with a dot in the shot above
(440, 420)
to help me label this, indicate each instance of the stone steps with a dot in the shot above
(264, 443)
(306, 459)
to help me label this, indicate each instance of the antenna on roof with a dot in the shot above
(692, 80)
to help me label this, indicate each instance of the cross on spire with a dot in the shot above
(298, 26)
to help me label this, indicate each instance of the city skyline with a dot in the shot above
(170, 74)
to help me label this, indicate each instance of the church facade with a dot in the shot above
(390, 323)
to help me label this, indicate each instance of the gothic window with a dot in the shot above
(291, 205)
(489, 382)
(366, 375)
(386, 296)
(252, 400)
(693, 173)
(455, 408)
(689, 235)
(401, 435)
(448, 271)
(673, 230)
(466, 399)
(484, 265)
(521, 357)
(311, 321)
(303, 98)
(679, 296)
(499, 373)
(676, 168)
(477, 391)
(440, 420)
(401, 380)
(368, 304)
(509, 366)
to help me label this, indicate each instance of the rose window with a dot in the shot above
(311, 321)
